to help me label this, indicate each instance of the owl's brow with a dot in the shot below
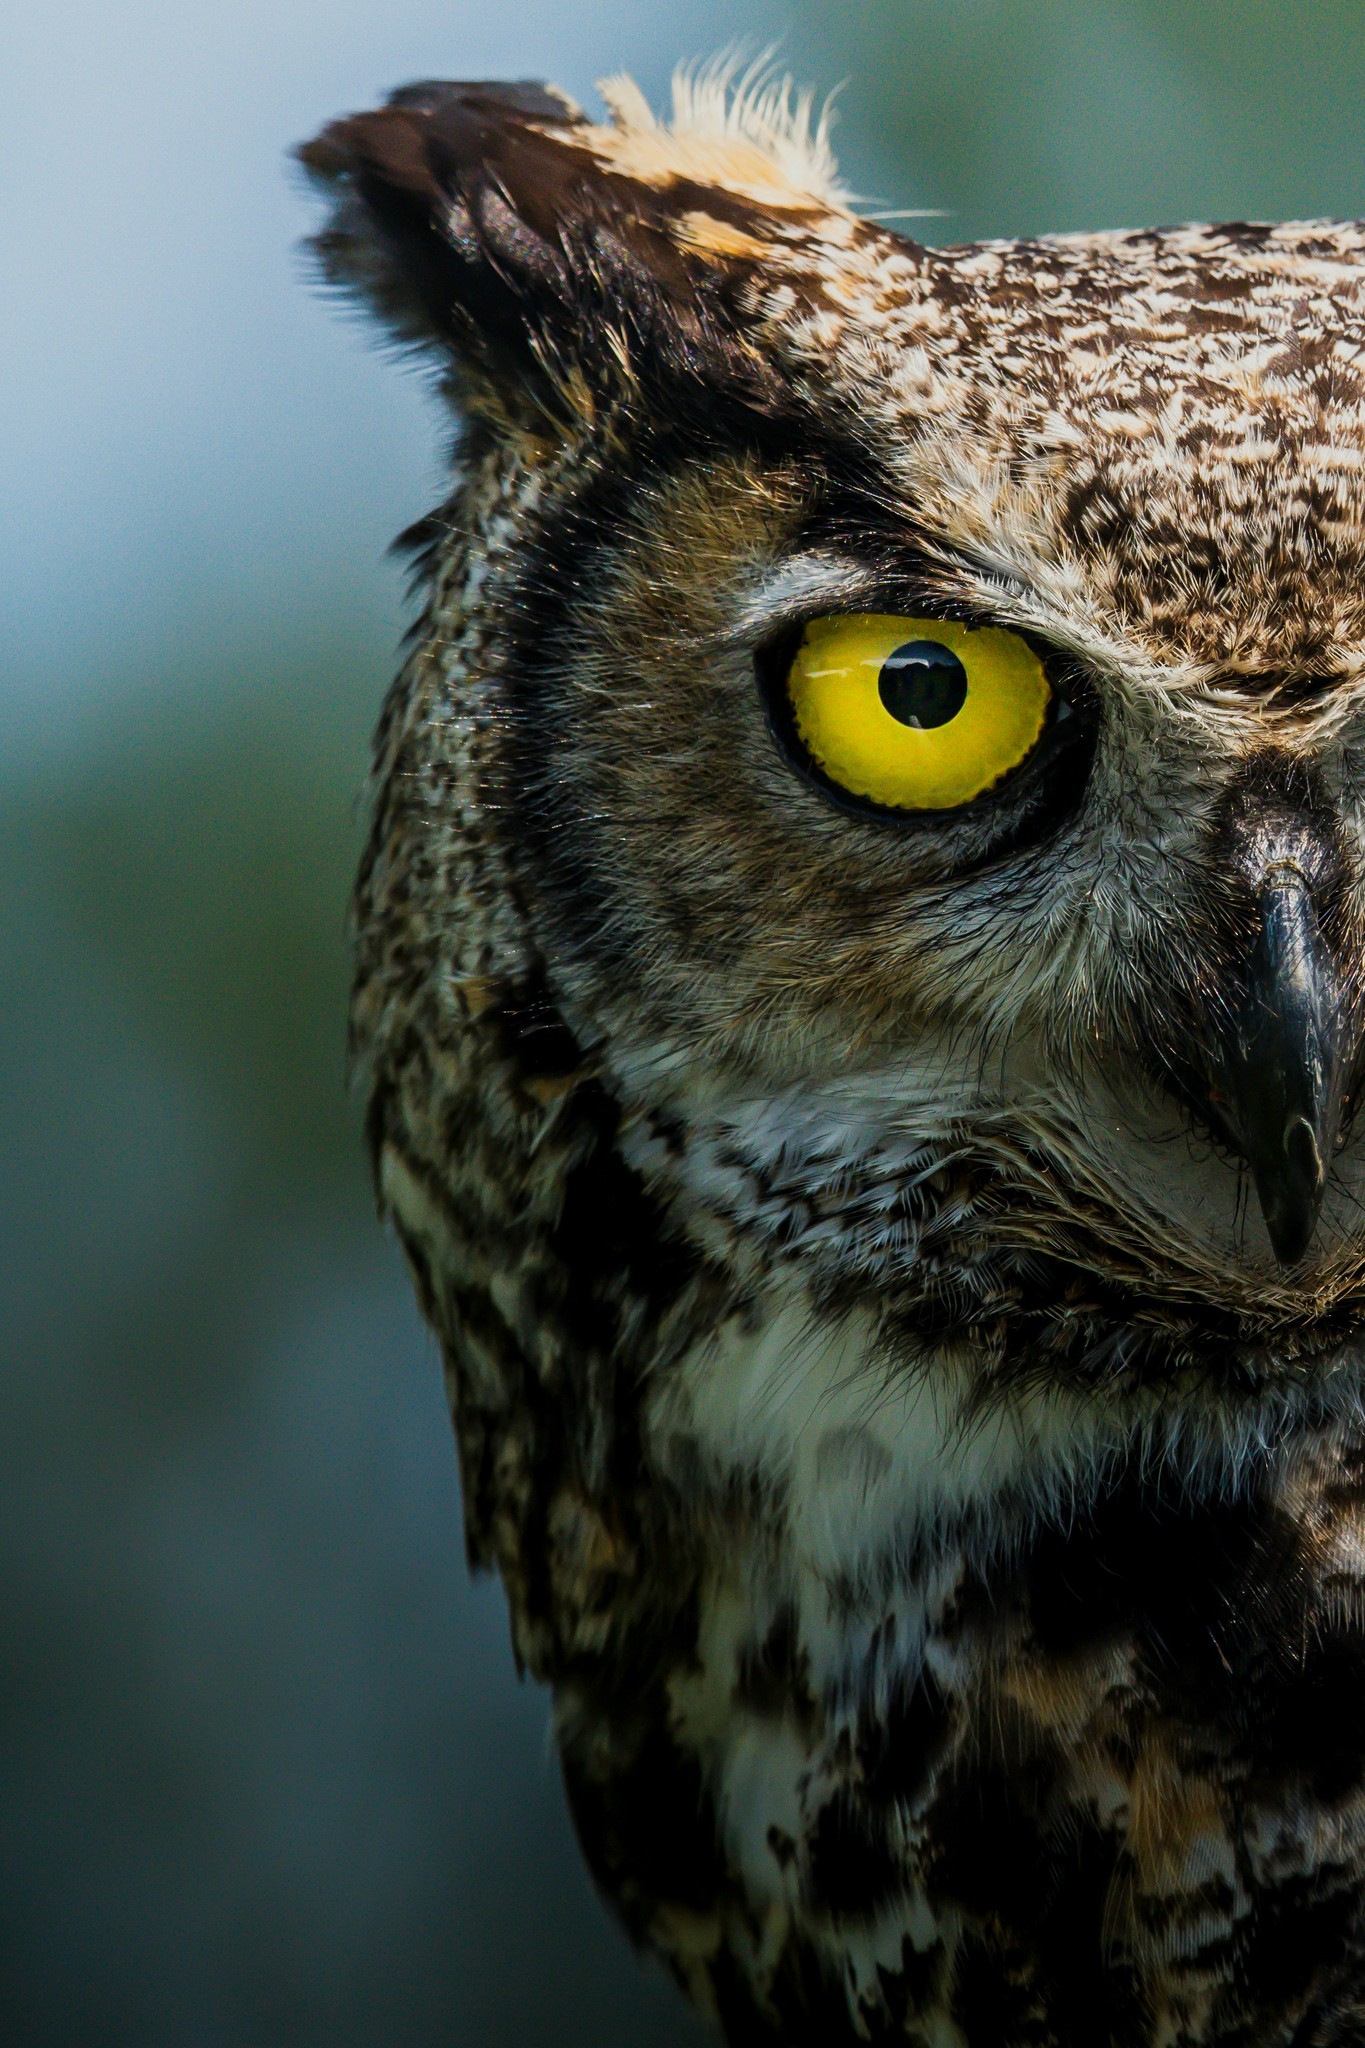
(826, 582)
(787, 593)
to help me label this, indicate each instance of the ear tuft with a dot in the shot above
(535, 247)
(416, 189)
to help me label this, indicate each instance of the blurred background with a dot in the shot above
(267, 1776)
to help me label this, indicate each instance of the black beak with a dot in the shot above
(1286, 1056)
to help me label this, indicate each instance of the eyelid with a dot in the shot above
(809, 585)
(800, 588)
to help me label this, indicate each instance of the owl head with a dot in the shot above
(903, 709)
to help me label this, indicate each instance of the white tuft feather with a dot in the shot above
(726, 101)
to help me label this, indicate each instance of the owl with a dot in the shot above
(859, 989)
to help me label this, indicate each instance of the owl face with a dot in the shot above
(921, 704)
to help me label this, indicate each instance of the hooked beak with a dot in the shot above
(1287, 1056)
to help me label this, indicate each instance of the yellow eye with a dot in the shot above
(915, 714)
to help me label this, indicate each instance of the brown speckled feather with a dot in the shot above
(936, 1509)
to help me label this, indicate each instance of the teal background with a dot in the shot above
(267, 1776)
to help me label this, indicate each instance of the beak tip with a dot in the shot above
(1291, 1198)
(1290, 1235)
(1292, 1046)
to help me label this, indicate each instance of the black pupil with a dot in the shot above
(922, 684)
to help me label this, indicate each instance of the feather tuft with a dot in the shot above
(728, 101)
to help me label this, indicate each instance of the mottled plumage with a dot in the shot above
(938, 1510)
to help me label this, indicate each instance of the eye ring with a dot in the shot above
(1027, 804)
